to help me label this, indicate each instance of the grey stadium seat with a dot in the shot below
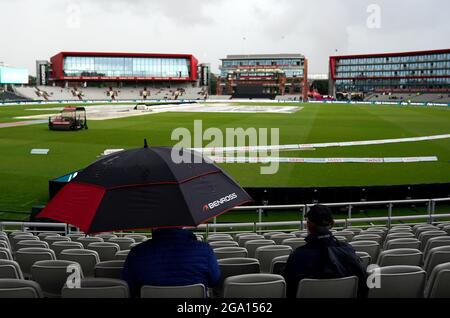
(435, 242)
(278, 238)
(249, 237)
(252, 245)
(278, 264)
(436, 256)
(230, 252)
(123, 242)
(86, 258)
(122, 255)
(109, 269)
(347, 234)
(267, 235)
(443, 225)
(223, 244)
(5, 240)
(4, 244)
(425, 236)
(45, 234)
(58, 247)
(400, 256)
(341, 239)
(368, 237)
(299, 233)
(16, 239)
(106, 236)
(370, 247)
(238, 266)
(446, 229)
(438, 285)
(88, 240)
(32, 243)
(420, 230)
(138, 238)
(378, 228)
(355, 230)
(365, 258)
(265, 255)
(52, 239)
(5, 253)
(255, 286)
(26, 257)
(75, 236)
(219, 239)
(379, 232)
(399, 282)
(190, 291)
(294, 243)
(238, 235)
(106, 250)
(23, 233)
(10, 269)
(397, 235)
(52, 275)
(402, 243)
(98, 288)
(328, 288)
(400, 229)
(19, 288)
(416, 226)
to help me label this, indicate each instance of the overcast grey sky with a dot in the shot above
(211, 29)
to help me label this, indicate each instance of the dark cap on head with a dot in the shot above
(320, 215)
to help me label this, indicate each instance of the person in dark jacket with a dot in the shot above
(323, 256)
(173, 257)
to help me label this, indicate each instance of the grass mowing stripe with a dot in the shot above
(24, 178)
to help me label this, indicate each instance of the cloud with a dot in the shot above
(211, 29)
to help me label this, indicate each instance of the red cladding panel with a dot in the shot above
(333, 60)
(194, 69)
(413, 53)
(58, 61)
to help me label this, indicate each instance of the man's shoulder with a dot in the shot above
(141, 247)
(305, 250)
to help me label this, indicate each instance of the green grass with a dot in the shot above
(24, 178)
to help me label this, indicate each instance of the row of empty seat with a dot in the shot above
(51, 93)
(24, 255)
(440, 98)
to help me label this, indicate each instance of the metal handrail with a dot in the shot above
(258, 226)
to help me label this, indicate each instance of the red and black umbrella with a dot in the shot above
(145, 188)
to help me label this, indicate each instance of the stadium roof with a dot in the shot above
(264, 56)
(391, 54)
(121, 54)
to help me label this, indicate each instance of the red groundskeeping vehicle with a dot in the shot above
(71, 118)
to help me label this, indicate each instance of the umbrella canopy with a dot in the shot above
(142, 188)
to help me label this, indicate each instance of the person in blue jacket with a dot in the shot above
(173, 257)
(323, 256)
